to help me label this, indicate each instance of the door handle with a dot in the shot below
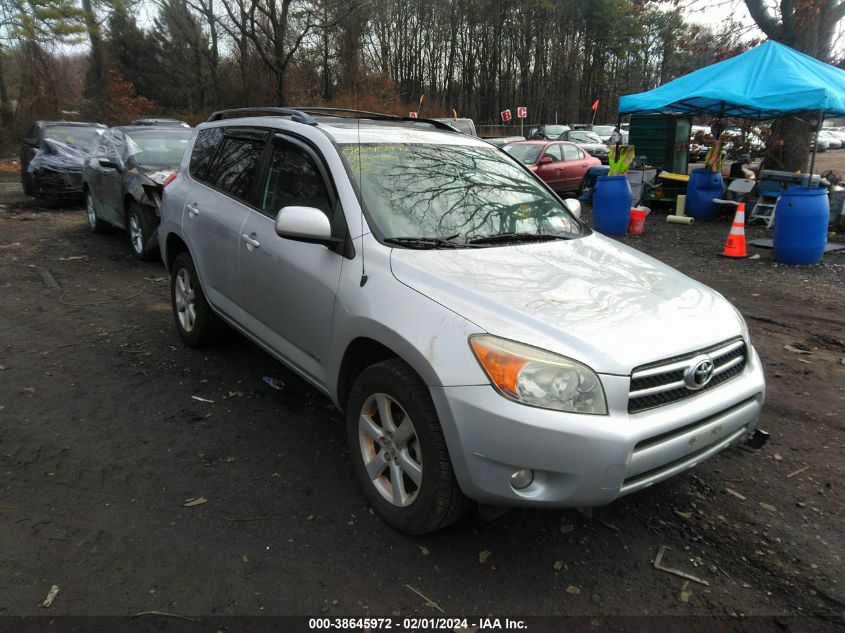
(249, 241)
(192, 210)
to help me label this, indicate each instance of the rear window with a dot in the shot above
(204, 146)
(236, 165)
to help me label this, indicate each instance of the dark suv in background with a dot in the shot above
(53, 154)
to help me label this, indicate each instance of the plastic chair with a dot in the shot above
(740, 187)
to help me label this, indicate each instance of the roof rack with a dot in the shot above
(233, 113)
(376, 116)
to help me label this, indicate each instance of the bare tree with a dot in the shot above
(276, 30)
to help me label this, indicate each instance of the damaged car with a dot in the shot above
(123, 178)
(53, 155)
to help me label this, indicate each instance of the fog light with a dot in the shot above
(522, 478)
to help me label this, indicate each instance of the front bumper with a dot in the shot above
(48, 182)
(586, 460)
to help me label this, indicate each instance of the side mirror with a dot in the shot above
(573, 206)
(546, 160)
(108, 164)
(305, 224)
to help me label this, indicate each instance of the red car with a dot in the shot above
(562, 165)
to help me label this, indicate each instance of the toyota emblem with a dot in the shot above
(699, 373)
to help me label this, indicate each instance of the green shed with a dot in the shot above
(663, 139)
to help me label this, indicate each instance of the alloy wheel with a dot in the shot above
(136, 234)
(390, 449)
(184, 295)
(89, 209)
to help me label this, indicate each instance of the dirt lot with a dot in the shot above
(102, 443)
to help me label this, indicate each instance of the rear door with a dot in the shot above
(574, 167)
(290, 287)
(223, 168)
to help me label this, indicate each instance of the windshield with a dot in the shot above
(78, 136)
(158, 147)
(523, 152)
(584, 137)
(453, 193)
(603, 130)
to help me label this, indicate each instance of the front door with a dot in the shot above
(289, 287)
(552, 171)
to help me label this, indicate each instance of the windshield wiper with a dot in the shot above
(517, 237)
(427, 242)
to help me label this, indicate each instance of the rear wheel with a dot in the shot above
(140, 224)
(196, 322)
(398, 450)
(94, 222)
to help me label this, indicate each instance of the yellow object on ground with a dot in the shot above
(680, 205)
(620, 164)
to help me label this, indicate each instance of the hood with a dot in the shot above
(599, 148)
(591, 299)
(157, 174)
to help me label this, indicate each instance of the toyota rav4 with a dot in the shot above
(484, 343)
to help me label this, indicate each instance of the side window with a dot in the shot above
(235, 165)
(570, 152)
(204, 146)
(294, 180)
(554, 152)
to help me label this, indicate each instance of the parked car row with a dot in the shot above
(118, 171)
(489, 348)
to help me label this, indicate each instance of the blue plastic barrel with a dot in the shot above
(703, 187)
(612, 205)
(801, 219)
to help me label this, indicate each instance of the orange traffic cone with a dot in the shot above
(735, 246)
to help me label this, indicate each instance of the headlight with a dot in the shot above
(538, 378)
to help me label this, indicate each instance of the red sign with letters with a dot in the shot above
(522, 112)
(413, 115)
(506, 116)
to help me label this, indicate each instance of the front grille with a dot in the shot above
(662, 383)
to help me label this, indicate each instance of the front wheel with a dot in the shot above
(140, 224)
(398, 450)
(196, 322)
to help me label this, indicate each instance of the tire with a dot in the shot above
(196, 322)
(141, 223)
(26, 182)
(94, 222)
(431, 501)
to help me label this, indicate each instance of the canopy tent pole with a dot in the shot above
(815, 149)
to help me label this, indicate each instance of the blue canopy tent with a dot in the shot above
(769, 81)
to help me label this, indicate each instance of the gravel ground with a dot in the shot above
(102, 444)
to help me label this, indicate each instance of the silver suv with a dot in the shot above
(483, 342)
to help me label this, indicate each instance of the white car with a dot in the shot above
(833, 140)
